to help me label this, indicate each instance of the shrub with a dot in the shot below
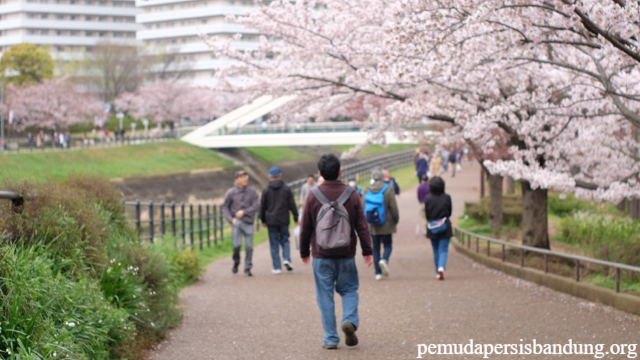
(44, 312)
(511, 209)
(605, 237)
(186, 262)
(561, 205)
(77, 281)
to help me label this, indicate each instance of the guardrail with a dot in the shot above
(465, 238)
(201, 223)
(25, 146)
(16, 199)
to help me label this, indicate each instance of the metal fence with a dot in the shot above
(201, 224)
(465, 238)
(23, 145)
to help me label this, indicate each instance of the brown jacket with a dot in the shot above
(332, 190)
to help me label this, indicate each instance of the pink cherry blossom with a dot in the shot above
(52, 104)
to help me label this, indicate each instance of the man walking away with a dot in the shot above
(392, 182)
(276, 203)
(381, 211)
(438, 211)
(333, 216)
(239, 208)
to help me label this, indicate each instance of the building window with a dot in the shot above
(89, 33)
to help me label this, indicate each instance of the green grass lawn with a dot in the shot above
(126, 161)
(274, 154)
(376, 149)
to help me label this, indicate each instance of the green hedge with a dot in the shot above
(603, 236)
(511, 209)
(75, 280)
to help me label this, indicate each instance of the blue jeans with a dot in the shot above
(386, 240)
(279, 237)
(440, 252)
(339, 275)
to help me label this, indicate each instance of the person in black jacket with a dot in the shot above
(438, 207)
(277, 201)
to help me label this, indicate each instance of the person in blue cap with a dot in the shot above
(277, 201)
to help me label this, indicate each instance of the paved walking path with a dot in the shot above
(276, 316)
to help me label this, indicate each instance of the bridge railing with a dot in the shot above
(465, 238)
(201, 224)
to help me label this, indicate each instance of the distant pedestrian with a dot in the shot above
(306, 188)
(422, 165)
(276, 203)
(453, 159)
(434, 165)
(438, 211)
(332, 218)
(445, 154)
(392, 182)
(381, 211)
(354, 184)
(31, 142)
(423, 189)
(240, 208)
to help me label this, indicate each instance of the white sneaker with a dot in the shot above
(288, 266)
(378, 277)
(440, 273)
(384, 267)
(276, 271)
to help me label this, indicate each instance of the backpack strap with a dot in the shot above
(345, 195)
(319, 195)
(384, 188)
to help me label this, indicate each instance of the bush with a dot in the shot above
(604, 236)
(77, 281)
(186, 262)
(45, 313)
(561, 205)
(511, 209)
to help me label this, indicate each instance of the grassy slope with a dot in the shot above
(376, 149)
(274, 154)
(126, 161)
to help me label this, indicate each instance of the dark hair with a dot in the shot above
(311, 176)
(329, 166)
(424, 178)
(436, 185)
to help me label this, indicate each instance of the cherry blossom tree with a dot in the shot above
(52, 104)
(535, 77)
(166, 101)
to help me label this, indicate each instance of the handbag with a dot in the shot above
(437, 226)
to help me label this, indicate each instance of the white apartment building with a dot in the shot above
(175, 26)
(67, 26)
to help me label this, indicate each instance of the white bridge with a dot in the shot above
(235, 129)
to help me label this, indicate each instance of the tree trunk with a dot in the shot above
(511, 185)
(535, 226)
(495, 202)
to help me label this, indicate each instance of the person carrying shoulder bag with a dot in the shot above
(438, 211)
